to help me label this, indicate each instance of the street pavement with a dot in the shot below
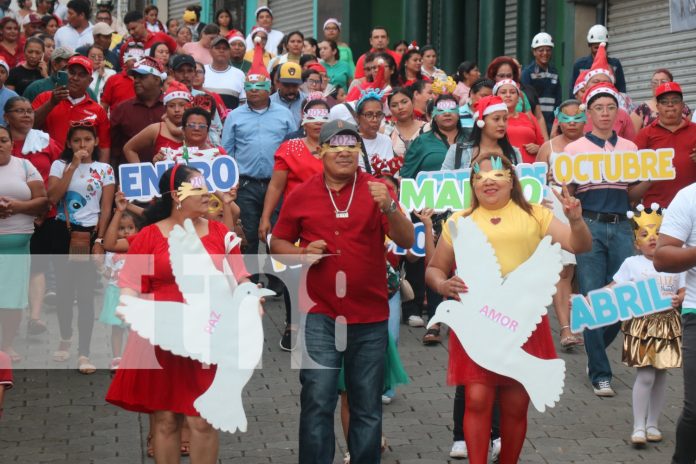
(60, 416)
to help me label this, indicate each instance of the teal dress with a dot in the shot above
(346, 55)
(426, 153)
(339, 73)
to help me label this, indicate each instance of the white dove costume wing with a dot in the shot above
(497, 315)
(182, 327)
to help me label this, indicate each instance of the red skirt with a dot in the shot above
(140, 386)
(462, 370)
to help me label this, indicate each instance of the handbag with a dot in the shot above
(80, 241)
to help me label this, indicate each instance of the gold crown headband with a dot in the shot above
(649, 219)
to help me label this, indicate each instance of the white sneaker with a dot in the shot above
(386, 399)
(638, 437)
(495, 450)
(459, 450)
(654, 434)
(603, 388)
(416, 321)
(346, 458)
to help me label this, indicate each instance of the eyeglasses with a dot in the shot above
(199, 126)
(83, 123)
(22, 111)
(376, 115)
(602, 109)
(504, 75)
(314, 81)
(669, 101)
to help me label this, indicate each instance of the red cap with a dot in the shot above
(317, 67)
(82, 61)
(668, 87)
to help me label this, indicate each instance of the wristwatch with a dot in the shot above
(391, 208)
(100, 241)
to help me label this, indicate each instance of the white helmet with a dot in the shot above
(597, 34)
(542, 39)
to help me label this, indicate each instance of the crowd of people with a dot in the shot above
(321, 141)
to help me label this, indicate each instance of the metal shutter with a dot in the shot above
(293, 15)
(177, 7)
(511, 26)
(639, 35)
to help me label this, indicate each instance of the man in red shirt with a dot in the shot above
(669, 130)
(135, 23)
(379, 41)
(58, 108)
(121, 87)
(341, 217)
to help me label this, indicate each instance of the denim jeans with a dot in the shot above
(611, 245)
(363, 361)
(685, 448)
(250, 196)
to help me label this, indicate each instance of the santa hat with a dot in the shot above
(486, 106)
(177, 90)
(600, 65)
(234, 36)
(580, 82)
(503, 82)
(413, 46)
(603, 88)
(258, 72)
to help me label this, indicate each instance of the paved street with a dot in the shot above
(60, 416)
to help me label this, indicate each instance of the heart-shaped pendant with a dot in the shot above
(495, 221)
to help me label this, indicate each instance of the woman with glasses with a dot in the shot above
(83, 191)
(41, 151)
(376, 145)
(646, 112)
(101, 73)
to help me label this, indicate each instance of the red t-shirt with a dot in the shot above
(151, 39)
(294, 157)
(683, 140)
(360, 71)
(118, 89)
(58, 120)
(355, 248)
(522, 130)
(41, 160)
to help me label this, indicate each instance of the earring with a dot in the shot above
(178, 206)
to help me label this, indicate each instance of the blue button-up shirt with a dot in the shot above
(295, 106)
(547, 86)
(252, 137)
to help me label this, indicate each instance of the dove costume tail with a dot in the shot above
(221, 405)
(543, 379)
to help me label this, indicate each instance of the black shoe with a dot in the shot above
(286, 341)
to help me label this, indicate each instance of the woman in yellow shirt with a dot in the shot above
(514, 228)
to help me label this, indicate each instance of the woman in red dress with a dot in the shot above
(523, 129)
(514, 228)
(140, 384)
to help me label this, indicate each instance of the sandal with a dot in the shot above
(185, 448)
(432, 336)
(84, 366)
(638, 437)
(150, 447)
(36, 327)
(570, 341)
(654, 434)
(62, 354)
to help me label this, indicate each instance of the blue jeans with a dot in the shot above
(363, 360)
(685, 449)
(611, 245)
(250, 196)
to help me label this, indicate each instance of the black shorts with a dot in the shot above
(40, 247)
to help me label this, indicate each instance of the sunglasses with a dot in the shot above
(199, 126)
(83, 123)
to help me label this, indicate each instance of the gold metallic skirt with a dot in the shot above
(653, 340)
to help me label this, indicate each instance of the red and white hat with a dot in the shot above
(256, 29)
(235, 36)
(177, 90)
(600, 65)
(83, 62)
(668, 87)
(603, 88)
(486, 106)
(148, 65)
(503, 82)
(580, 82)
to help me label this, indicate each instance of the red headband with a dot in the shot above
(173, 176)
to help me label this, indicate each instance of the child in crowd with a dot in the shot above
(652, 343)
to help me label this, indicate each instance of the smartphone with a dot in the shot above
(61, 79)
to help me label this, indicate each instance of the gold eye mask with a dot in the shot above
(326, 148)
(215, 205)
(495, 175)
(194, 188)
(652, 230)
